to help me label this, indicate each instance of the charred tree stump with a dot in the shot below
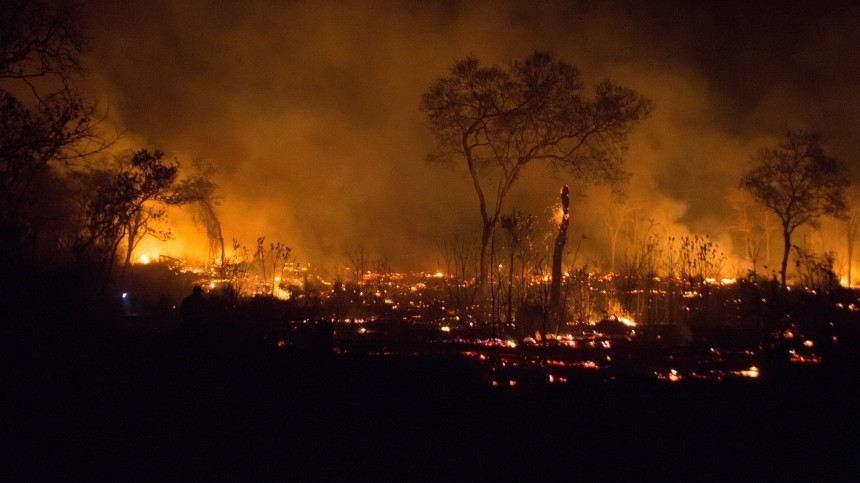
(554, 308)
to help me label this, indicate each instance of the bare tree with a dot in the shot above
(235, 270)
(199, 191)
(276, 254)
(382, 274)
(619, 210)
(499, 120)
(746, 209)
(700, 259)
(279, 256)
(359, 261)
(519, 230)
(815, 271)
(799, 183)
(461, 262)
(852, 224)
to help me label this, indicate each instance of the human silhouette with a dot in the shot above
(194, 309)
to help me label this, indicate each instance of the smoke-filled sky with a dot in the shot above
(309, 110)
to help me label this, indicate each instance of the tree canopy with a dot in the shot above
(43, 118)
(500, 119)
(798, 182)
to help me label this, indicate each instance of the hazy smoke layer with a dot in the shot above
(310, 109)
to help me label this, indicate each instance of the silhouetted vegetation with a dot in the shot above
(658, 362)
(799, 183)
(499, 120)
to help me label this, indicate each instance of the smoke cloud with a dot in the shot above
(309, 110)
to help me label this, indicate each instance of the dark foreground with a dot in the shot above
(148, 405)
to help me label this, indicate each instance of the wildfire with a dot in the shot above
(796, 358)
(558, 215)
(752, 372)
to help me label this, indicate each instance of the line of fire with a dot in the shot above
(690, 325)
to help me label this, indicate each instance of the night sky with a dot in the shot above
(309, 110)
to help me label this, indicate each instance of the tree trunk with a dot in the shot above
(557, 255)
(510, 313)
(486, 248)
(787, 239)
(129, 248)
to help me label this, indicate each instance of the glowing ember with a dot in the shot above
(674, 376)
(803, 358)
(752, 372)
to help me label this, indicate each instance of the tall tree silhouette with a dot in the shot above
(43, 118)
(557, 255)
(798, 182)
(498, 120)
(129, 203)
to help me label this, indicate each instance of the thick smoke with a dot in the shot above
(309, 109)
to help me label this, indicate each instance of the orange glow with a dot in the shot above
(752, 372)
(803, 359)
(558, 215)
